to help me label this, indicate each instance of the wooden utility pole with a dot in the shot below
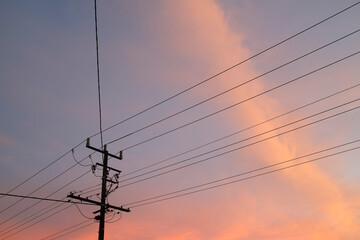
(102, 203)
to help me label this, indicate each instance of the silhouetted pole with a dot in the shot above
(102, 203)
(103, 194)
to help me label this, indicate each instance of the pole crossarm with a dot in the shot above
(104, 194)
(103, 151)
(98, 203)
(114, 169)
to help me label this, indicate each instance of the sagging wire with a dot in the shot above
(93, 170)
(91, 160)
(81, 164)
(114, 184)
(92, 165)
(82, 212)
(117, 213)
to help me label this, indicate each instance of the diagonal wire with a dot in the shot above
(40, 200)
(235, 87)
(238, 180)
(241, 102)
(212, 77)
(233, 66)
(242, 130)
(63, 209)
(44, 168)
(54, 178)
(76, 226)
(235, 149)
(32, 217)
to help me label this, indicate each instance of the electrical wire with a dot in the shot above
(12, 228)
(64, 230)
(119, 213)
(98, 73)
(91, 159)
(88, 188)
(37, 189)
(111, 217)
(235, 87)
(79, 163)
(249, 138)
(235, 149)
(198, 84)
(252, 171)
(77, 229)
(82, 212)
(41, 170)
(31, 218)
(23, 211)
(242, 130)
(241, 102)
(37, 222)
(235, 181)
(232, 67)
(40, 198)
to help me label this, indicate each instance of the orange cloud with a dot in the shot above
(200, 32)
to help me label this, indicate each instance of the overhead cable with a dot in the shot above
(146, 201)
(59, 189)
(40, 198)
(240, 131)
(234, 149)
(233, 88)
(241, 102)
(66, 232)
(32, 217)
(37, 189)
(194, 86)
(69, 228)
(43, 219)
(232, 67)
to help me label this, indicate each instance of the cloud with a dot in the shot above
(198, 31)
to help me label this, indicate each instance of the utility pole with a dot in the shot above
(102, 203)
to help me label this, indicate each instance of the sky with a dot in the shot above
(150, 51)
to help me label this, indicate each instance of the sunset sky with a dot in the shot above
(149, 52)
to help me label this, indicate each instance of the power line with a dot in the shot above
(82, 213)
(38, 222)
(88, 188)
(232, 150)
(41, 170)
(238, 103)
(41, 186)
(198, 84)
(64, 230)
(45, 197)
(79, 163)
(98, 72)
(32, 217)
(230, 68)
(42, 209)
(240, 131)
(41, 198)
(235, 87)
(235, 181)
